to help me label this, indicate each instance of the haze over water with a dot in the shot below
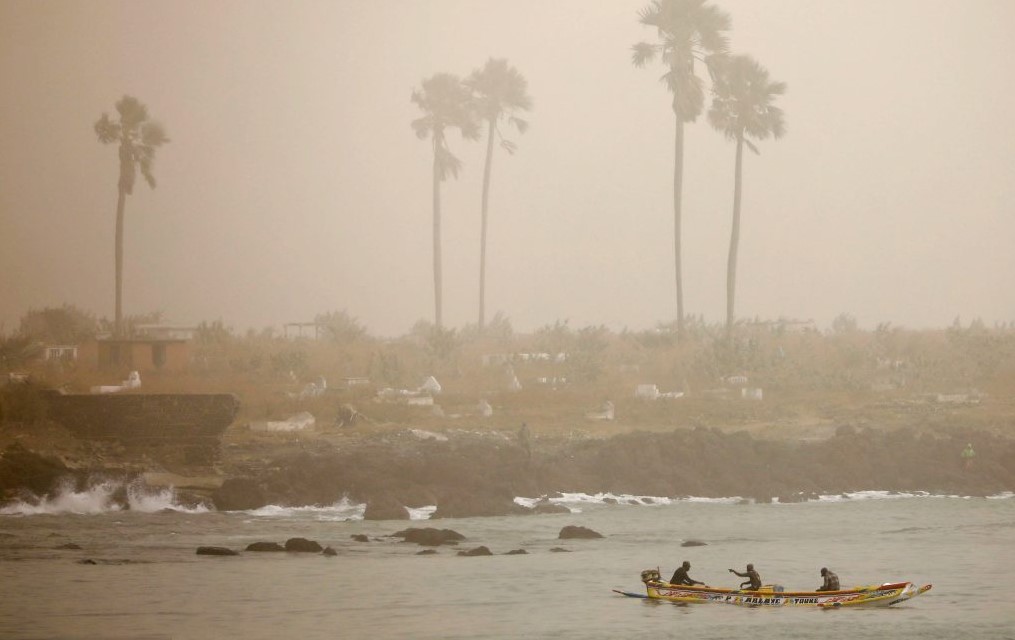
(294, 185)
(149, 584)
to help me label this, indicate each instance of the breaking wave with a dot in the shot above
(342, 511)
(102, 496)
(575, 501)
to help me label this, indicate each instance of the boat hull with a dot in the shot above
(883, 595)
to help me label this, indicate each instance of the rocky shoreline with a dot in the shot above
(480, 474)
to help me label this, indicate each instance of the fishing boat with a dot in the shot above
(875, 595)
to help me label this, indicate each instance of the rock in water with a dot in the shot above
(302, 545)
(265, 546)
(694, 543)
(478, 551)
(429, 537)
(216, 551)
(572, 531)
(328, 551)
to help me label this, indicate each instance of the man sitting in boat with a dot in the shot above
(831, 582)
(680, 575)
(753, 581)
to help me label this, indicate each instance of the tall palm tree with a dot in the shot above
(742, 108)
(689, 31)
(445, 103)
(139, 137)
(500, 93)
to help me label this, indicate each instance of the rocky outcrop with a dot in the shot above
(265, 546)
(328, 551)
(239, 494)
(216, 551)
(429, 536)
(22, 469)
(571, 532)
(302, 545)
(385, 508)
(478, 551)
(693, 543)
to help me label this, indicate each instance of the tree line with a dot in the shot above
(691, 38)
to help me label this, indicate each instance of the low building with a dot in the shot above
(136, 354)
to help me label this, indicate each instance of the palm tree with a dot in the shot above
(500, 93)
(689, 31)
(742, 108)
(445, 102)
(139, 137)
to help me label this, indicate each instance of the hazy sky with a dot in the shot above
(294, 185)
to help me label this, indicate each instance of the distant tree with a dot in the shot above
(499, 92)
(138, 138)
(130, 322)
(445, 103)
(58, 325)
(689, 31)
(339, 326)
(742, 108)
(214, 332)
(844, 323)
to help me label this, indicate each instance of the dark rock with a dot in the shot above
(265, 546)
(87, 561)
(360, 537)
(517, 552)
(385, 508)
(468, 503)
(21, 468)
(328, 551)
(575, 532)
(694, 543)
(429, 537)
(302, 545)
(238, 494)
(216, 551)
(70, 545)
(560, 550)
(545, 507)
(426, 552)
(478, 551)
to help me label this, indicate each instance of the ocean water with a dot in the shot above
(148, 583)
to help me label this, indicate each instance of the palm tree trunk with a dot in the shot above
(118, 317)
(731, 266)
(482, 233)
(678, 187)
(437, 241)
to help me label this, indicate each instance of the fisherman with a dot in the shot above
(523, 441)
(753, 581)
(831, 582)
(967, 455)
(680, 575)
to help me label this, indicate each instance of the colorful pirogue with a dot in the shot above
(876, 595)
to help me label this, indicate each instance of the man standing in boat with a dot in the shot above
(680, 575)
(831, 582)
(753, 581)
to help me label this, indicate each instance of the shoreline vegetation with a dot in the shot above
(782, 411)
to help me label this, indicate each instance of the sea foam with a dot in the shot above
(101, 496)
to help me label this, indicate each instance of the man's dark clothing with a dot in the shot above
(680, 577)
(831, 582)
(754, 580)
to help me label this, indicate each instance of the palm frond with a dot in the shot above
(153, 134)
(750, 145)
(642, 53)
(107, 130)
(146, 170)
(509, 146)
(521, 125)
(132, 112)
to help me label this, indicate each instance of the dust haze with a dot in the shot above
(293, 183)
